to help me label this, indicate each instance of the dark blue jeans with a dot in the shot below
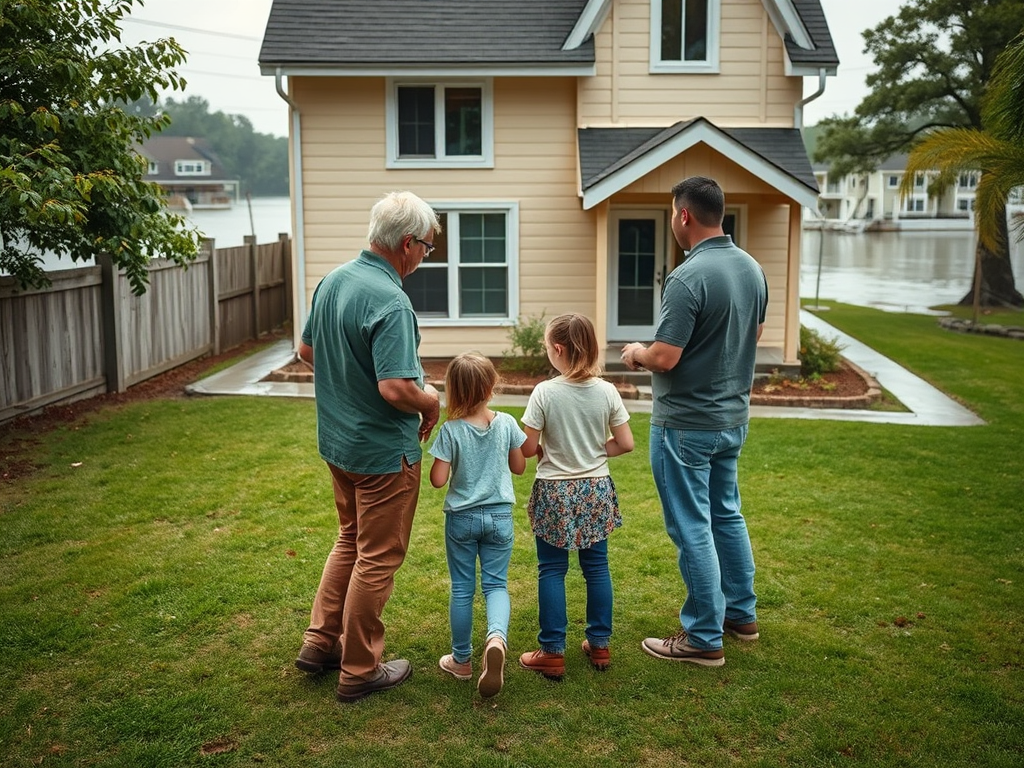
(552, 565)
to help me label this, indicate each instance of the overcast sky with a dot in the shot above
(223, 40)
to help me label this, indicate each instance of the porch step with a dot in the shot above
(768, 361)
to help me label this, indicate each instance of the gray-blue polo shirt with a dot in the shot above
(363, 329)
(711, 307)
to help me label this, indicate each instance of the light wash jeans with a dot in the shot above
(695, 473)
(552, 565)
(485, 533)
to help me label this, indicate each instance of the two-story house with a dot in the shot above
(547, 134)
(189, 171)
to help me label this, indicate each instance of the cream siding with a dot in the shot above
(535, 167)
(750, 89)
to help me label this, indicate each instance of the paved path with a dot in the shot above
(928, 406)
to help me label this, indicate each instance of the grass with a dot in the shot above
(156, 574)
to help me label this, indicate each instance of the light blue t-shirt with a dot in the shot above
(479, 459)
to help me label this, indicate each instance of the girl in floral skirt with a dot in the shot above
(573, 505)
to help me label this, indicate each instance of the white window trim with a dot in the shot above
(204, 168)
(511, 211)
(485, 160)
(710, 66)
(154, 168)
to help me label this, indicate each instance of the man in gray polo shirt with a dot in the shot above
(702, 366)
(373, 411)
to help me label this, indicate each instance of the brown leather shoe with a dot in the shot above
(389, 675)
(311, 659)
(600, 658)
(493, 677)
(745, 632)
(551, 665)
(678, 648)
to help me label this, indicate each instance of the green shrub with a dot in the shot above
(527, 353)
(818, 355)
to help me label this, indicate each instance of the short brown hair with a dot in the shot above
(468, 382)
(576, 333)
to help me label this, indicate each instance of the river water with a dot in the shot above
(898, 271)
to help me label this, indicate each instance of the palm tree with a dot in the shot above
(997, 151)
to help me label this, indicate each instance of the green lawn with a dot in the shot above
(156, 574)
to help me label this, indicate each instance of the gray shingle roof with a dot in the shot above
(340, 33)
(166, 150)
(813, 18)
(606, 150)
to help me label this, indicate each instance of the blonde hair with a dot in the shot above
(468, 383)
(576, 334)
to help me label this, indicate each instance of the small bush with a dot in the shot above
(818, 355)
(527, 354)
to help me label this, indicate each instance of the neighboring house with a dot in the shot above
(859, 202)
(189, 171)
(547, 134)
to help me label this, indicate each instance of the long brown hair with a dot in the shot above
(468, 382)
(576, 334)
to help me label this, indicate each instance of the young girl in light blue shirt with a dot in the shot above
(476, 452)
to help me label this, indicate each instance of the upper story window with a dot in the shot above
(191, 168)
(154, 168)
(968, 180)
(684, 35)
(894, 180)
(470, 278)
(440, 124)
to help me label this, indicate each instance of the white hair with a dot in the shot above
(397, 215)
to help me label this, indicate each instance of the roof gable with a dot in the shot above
(613, 158)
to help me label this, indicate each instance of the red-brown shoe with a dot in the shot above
(600, 658)
(745, 632)
(551, 665)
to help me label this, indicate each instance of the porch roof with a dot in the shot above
(613, 158)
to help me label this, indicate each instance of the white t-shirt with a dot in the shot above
(574, 419)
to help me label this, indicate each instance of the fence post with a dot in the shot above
(286, 266)
(250, 240)
(110, 307)
(213, 288)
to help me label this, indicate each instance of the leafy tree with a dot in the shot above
(934, 60)
(71, 182)
(997, 151)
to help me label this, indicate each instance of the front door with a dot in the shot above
(637, 270)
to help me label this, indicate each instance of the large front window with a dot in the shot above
(684, 35)
(470, 276)
(440, 125)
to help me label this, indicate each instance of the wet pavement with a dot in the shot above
(928, 406)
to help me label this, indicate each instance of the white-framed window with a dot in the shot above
(191, 168)
(471, 278)
(685, 35)
(914, 205)
(919, 180)
(965, 204)
(434, 124)
(154, 168)
(968, 180)
(893, 181)
(833, 187)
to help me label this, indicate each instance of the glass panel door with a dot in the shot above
(636, 262)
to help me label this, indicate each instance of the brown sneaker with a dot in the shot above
(551, 665)
(389, 675)
(460, 670)
(311, 659)
(745, 632)
(600, 658)
(677, 648)
(493, 677)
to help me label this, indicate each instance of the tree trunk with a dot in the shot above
(997, 288)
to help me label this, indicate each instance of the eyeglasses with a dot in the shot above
(429, 246)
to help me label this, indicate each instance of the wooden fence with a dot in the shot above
(88, 334)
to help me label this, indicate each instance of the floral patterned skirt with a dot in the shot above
(574, 514)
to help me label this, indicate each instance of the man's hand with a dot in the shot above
(629, 353)
(429, 417)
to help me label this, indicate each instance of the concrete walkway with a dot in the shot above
(928, 406)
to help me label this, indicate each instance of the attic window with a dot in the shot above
(191, 168)
(154, 168)
(684, 36)
(440, 124)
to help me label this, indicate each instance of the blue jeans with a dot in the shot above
(552, 565)
(485, 533)
(695, 472)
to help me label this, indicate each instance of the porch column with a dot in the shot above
(601, 281)
(791, 342)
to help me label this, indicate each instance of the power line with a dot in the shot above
(164, 25)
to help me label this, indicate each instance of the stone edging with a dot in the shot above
(987, 329)
(873, 394)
